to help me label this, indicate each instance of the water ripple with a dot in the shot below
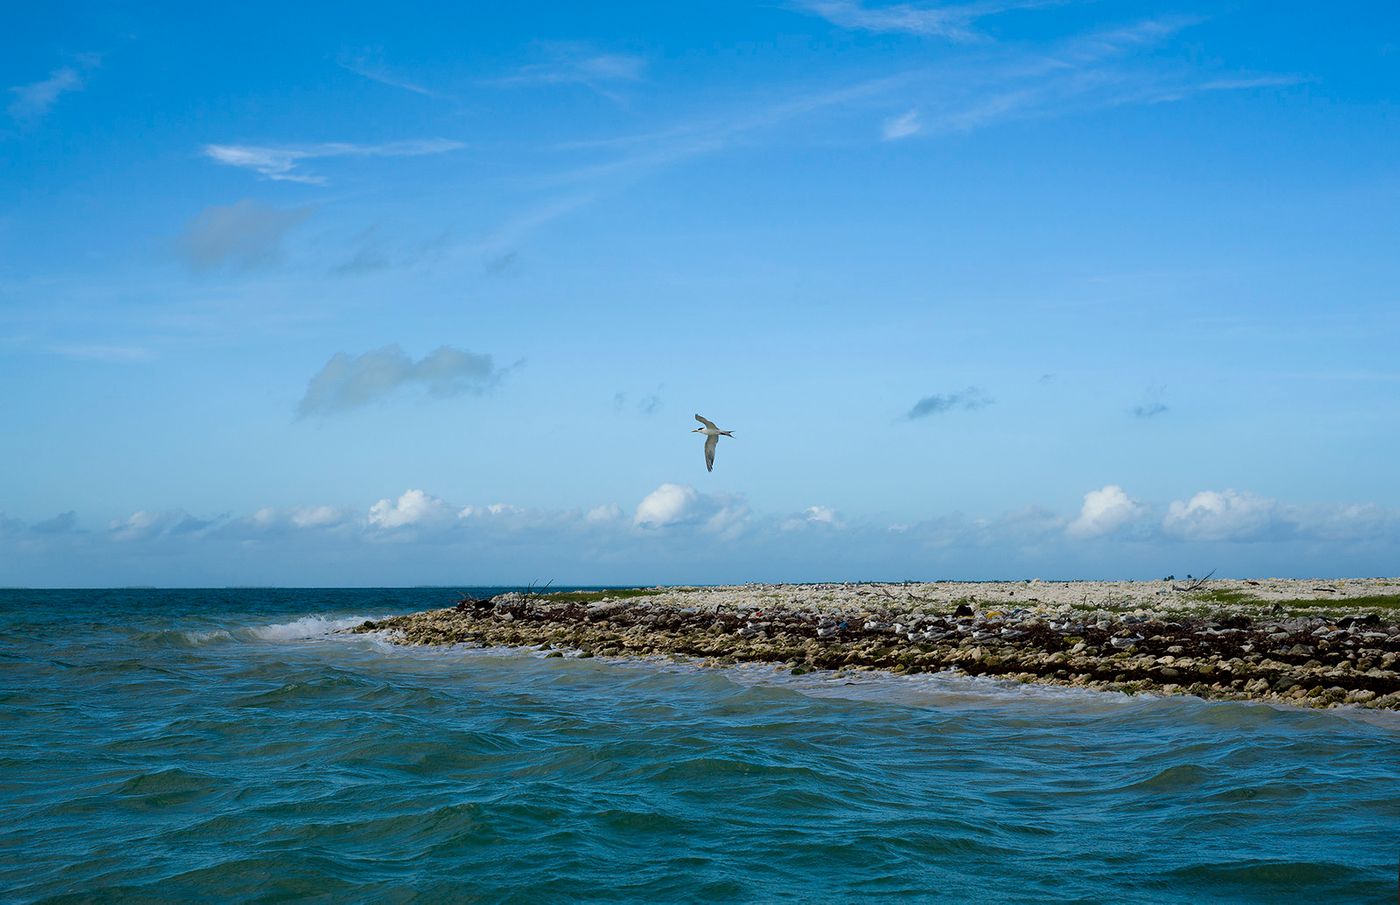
(165, 746)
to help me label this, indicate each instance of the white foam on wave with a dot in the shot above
(944, 690)
(947, 689)
(206, 637)
(307, 628)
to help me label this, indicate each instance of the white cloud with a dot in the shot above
(348, 381)
(1220, 515)
(665, 505)
(729, 520)
(139, 524)
(143, 525)
(678, 504)
(494, 509)
(280, 162)
(902, 126)
(1104, 510)
(271, 519)
(316, 516)
(602, 514)
(681, 534)
(813, 515)
(413, 507)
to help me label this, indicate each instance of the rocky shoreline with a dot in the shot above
(1311, 644)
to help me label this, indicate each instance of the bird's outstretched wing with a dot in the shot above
(706, 421)
(710, 443)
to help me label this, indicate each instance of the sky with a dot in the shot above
(397, 294)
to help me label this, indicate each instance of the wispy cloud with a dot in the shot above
(1090, 71)
(350, 381)
(376, 250)
(1114, 41)
(649, 404)
(1149, 409)
(246, 235)
(902, 126)
(31, 102)
(371, 66)
(954, 22)
(101, 352)
(1244, 82)
(1151, 405)
(1094, 71)
(498, 248)
(281, 162)
(698, 136)
(501, 264)
(969, 399)
(573, 63)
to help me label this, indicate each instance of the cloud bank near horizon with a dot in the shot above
(677, 533)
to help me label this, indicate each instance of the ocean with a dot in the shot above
(235, 745)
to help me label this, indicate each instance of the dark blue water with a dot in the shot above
(229, 745)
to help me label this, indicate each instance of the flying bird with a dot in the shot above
(712, 435)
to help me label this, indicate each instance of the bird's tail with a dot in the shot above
(727, 433)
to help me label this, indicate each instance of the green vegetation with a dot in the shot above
(1226, 596)
(595, 596)
(1231, 597)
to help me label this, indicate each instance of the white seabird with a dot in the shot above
(712, 435)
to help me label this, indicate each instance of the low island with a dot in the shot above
(1309, 643)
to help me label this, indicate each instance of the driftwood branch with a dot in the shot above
(1196, 584)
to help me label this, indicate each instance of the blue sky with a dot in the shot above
(372, 294)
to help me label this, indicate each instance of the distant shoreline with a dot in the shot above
(1308, 642)
(990, 585)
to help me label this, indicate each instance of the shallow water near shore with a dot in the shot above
(232, 744)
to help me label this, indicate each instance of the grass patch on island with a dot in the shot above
(1298, 605)
(1226, 596)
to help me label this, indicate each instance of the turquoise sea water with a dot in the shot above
(229, 745)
